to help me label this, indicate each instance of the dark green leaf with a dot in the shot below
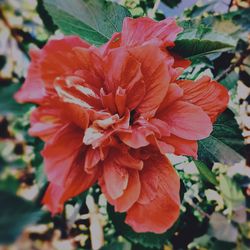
(2, 61)
(15, 214)
(92, 20)
(206, 173)
(224, 143)
(148, 240)
(10, 184)
(7, 103)
(46, 18)
(171, 3)
(198, 40)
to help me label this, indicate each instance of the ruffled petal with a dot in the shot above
(33, 89)
(136, 137)
(123, 71)
(129, 196)
(55, 59)
(77, 182)
(140, 30)
(186, 121)
(115, 178)
(182, 146)
(159, 203)
(45, 122)
(211, 96)
(174, 93)
(156, 70)
(60, 153)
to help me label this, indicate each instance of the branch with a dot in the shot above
(233, 66)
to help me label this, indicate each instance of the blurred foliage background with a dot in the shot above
(215, 190)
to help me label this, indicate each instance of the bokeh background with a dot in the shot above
(216, 207)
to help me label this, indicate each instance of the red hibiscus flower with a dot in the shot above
(110, 114)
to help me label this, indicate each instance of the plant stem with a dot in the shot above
(233, 66)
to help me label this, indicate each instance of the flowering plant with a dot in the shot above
(116, 101)
(110, 114)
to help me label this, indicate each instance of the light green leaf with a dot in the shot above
(206, 173)
(93, 20)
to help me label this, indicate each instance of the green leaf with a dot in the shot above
(148, 240)
(171, 3)
(92, 20)
(117, 246)
(15, 214)
(236, 23)
(41, 178)
(198, 40)
(212, 34)
(193, 48)
(199, 10)
(9, 183)
(46, 18)
(224, 143)
(7, 103)
(230, 80)
(206, 173)
(231, 192)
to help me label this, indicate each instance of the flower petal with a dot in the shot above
(130, 194)
(45, 122)
(187, 121)
(211, 96)
(159, 203)
(115, 178)
(124, 71)
(54, 60)
(136, 138)
(140, 30)
(182, 146)
(60, 153)
(174, 93)
(156, 69)
(77, 182)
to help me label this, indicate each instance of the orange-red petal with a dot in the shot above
(187, 121)
(158, 206)
(211, 96)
